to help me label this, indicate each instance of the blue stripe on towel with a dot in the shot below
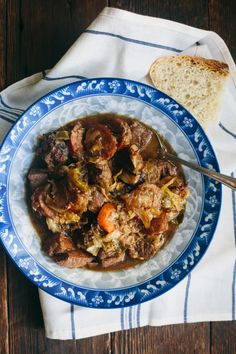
(122, 318)
(227, 131)
(234, 271)
(233, 292)
(72, 319)
(136, 41)
(9, 120)
(186, 299)
(47, 78)
(126, 318)
(130, 317)
(234, 210)
(138, 314)
(7, 106)
(10, 113)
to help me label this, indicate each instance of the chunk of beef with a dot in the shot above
(121, 130)
(39, 202)
(53, 151)
(96, 201)
(100, 143)
(154, 170)
(142, 247)
(76, 141)
(111, 258)
(37, 178)
(74, 259)
(100, 173)
(159, 224)
(58, 243)
(141, 135)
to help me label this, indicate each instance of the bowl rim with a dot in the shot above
(119, 297)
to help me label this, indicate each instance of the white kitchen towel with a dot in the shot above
(122, 44)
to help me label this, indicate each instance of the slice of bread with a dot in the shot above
(195, 82)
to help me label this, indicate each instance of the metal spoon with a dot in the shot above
(226, 180)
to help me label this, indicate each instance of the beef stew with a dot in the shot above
(98, 195)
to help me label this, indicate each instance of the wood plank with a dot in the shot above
(40, 32)
(4, 339)
(23, 304)
(222, 15)
(223, 337)
(155, 8)
(2, 44)
(161, 340)
(99, 344)
(60, 346)
(14, 27)
(192, 13)
(25, 319)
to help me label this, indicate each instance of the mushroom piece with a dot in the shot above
(76, 138)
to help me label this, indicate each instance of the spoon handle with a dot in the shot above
(227, 180)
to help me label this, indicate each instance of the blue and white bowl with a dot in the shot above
(145, 281)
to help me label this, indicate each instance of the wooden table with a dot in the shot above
(34, 34)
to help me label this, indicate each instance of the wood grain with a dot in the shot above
(223, 337)
(222, 20)
(193, 13)
(3, 35)
(26, 326)
(40, 32)
(13, 42)
(176, 339)
(156, 8)
(4, 338)
(99, 344)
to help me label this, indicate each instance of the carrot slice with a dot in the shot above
(106, 217)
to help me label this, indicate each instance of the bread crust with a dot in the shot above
(215, 66)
